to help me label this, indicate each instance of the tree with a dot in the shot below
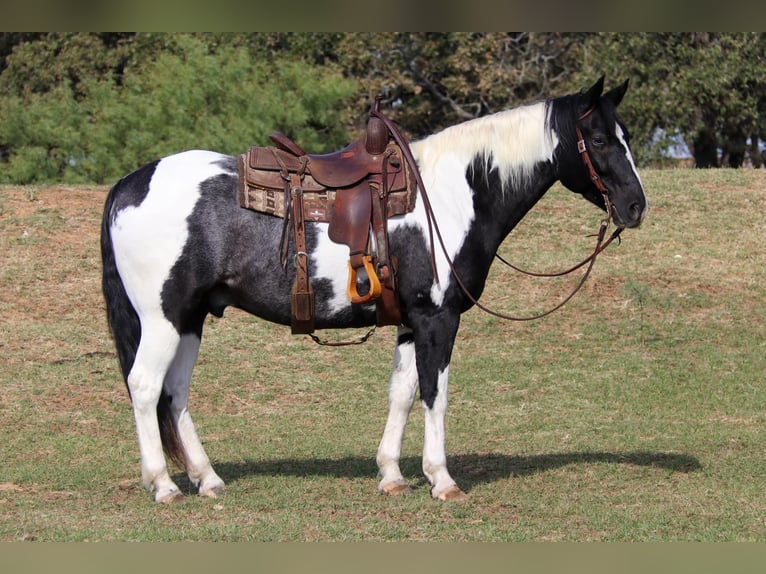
(39, 63)
(705, 87)
(9, 40)
(432, 80)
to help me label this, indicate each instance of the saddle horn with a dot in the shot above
(376, 139)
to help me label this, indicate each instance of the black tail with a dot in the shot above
(126, 330)
(121, 316)
(171, 440)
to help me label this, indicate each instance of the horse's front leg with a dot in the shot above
(434, 340)
(401, 395)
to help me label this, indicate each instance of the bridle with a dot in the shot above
(433, 228)
(582, 148)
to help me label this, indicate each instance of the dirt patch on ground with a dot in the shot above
(50, 266)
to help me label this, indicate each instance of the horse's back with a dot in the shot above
(184, 244)
(174, 181)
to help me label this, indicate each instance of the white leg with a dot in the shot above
(401, 395)
(177, 384)
(159, 341)
(434, 450)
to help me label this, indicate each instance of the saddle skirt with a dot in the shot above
(263, 172)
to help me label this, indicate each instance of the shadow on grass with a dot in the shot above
(467, 469)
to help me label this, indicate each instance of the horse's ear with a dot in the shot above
(616, 94)
(590, 98)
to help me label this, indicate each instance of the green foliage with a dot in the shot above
(44, 128)
(225, 101)
(707, 87)
(188, 97)
(51, 60)
(108, 101)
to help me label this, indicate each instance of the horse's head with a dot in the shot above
(593, 155)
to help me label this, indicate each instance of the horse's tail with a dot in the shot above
(125, 327)
(121, 316)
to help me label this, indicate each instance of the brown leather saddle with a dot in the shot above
(355, 190)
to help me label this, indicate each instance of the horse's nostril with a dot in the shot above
(635, 210)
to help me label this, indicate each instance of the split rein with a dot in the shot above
(590, 260)
(601, 243)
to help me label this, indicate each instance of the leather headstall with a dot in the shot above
(592, 173)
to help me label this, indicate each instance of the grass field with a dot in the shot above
(635, 413)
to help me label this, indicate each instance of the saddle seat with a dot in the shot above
(341, 168)
(355, 190)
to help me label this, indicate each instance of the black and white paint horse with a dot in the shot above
(176, 246)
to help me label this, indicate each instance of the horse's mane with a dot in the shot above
(513, 141)
(561, 119)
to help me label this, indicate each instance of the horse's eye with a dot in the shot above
(598, 140)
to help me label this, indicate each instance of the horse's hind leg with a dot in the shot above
(401, 395)
(176, 387)
(155, 353)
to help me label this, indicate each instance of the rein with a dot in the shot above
(615, 235)
(433, 227)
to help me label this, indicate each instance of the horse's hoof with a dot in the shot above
(396, 489)
(213, 491)
(171, 497)
(452, 494)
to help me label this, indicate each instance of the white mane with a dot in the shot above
(515, 140)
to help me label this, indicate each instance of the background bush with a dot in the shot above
(186, 98)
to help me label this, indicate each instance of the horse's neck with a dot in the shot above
(499, 165)
(507, 206)
(509, 153)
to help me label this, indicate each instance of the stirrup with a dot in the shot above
(375, 288)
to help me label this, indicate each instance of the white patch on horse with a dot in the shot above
(434, 447)
(149, 238)
(621, 137)
(516, 140)
(452, 203)
(329, 261)
(401, 396)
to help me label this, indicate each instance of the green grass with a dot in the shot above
(636, 413)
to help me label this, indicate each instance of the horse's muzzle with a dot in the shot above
(630, 216)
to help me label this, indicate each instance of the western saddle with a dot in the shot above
(355, 190)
